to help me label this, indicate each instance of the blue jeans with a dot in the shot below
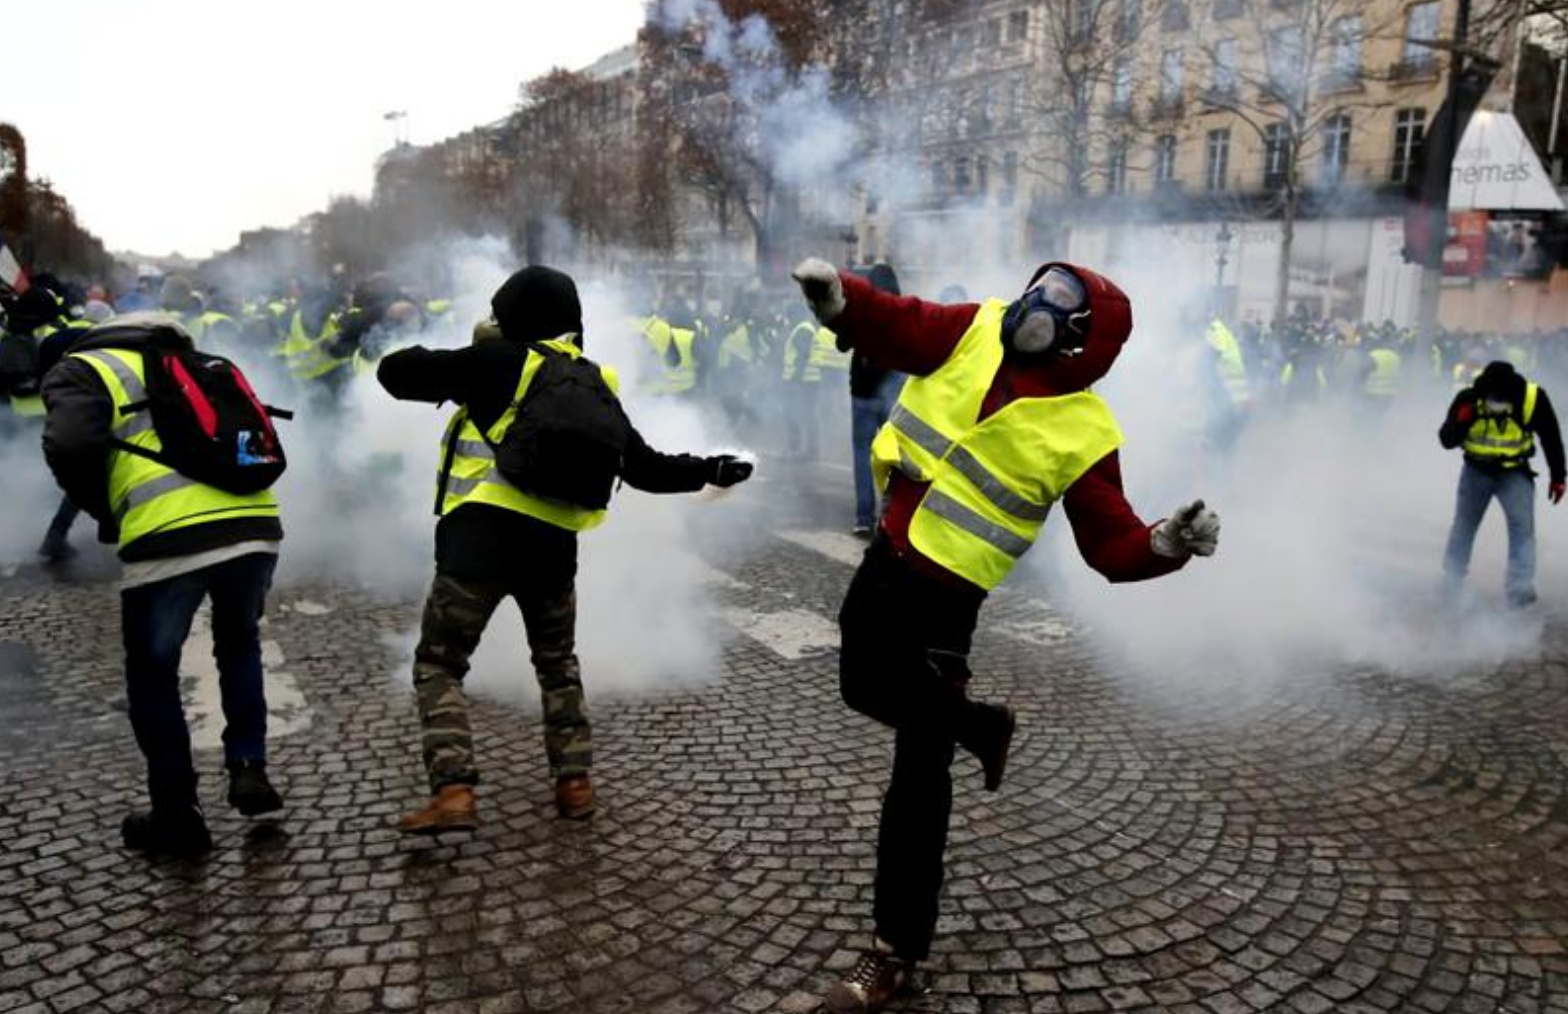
(155, 620)
(867, 416)
(1515, 490)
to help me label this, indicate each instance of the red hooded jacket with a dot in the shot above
(915, 337)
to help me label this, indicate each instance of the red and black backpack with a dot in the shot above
(212, 426)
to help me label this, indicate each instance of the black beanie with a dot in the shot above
(884, 279)
(537, 304)
(1500, 380)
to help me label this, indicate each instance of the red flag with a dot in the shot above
(11, 274)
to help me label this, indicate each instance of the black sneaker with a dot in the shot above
(877, 979)
(992, 748)
(57, 552)
(249, 790)
(183, 834)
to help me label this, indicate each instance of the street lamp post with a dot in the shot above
(1221, 258)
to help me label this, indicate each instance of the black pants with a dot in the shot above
(904, 663)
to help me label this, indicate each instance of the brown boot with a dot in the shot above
(451, 809)
(574, 797)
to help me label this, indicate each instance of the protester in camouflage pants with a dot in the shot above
(455, 616)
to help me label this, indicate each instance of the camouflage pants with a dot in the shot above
(455, 616)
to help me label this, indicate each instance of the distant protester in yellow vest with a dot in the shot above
(181, 541)
(498, 540)
(995, 425)
(1496, 422)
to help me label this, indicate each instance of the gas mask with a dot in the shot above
(1497, 406)
(1052, 317)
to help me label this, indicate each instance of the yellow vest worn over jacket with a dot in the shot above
(1232, 368)
(681, 375)
(149, 498)
(992, 481)
(307, 357)
(472, 476)
(1383, 382)
(1504, 441)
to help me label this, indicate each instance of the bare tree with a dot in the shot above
(1291, 72)
(1089, 50)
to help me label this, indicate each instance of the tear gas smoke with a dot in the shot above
(359, 495)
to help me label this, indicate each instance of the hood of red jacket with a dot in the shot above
(1110, 325)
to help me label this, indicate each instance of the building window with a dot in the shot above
(1286, 58)
(1083, 98)
(1336, 147)
(1421, 25)
(1009, 177)
(1129, 19)
(961, 176)
(1017, 26)
(982, 175)
(1121, 85)
(1173, 15)
(1165, 158)
(1216, 159)
(1276, 155)
(1228, 9)
(983, 110)
(1409, 129)
(1170, 77)
(1345, 57)
(993, 33)
(1116, 168)
(938, 179)
(1015, 102)
(1225, 67)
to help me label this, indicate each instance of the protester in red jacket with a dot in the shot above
(995, 424)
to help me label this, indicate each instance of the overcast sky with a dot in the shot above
(174, 124)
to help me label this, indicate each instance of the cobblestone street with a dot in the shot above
(1355, 842)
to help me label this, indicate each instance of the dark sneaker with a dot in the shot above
(249, 790)
(181, 834)
(574, 797)
(991, 741)
(1521, 600)
(57, 552)
(452, 808)
(877, 979)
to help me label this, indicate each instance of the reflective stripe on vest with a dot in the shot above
(146, 496)
(474, 477)
(992, 481)
(1505, 441)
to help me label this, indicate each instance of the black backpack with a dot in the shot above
(212, 426)
(568, 439)
(19, 365)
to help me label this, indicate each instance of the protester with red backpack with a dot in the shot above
(172, 453)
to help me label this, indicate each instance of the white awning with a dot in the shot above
(1497, 169)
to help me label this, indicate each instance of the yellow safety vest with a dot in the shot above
(1384, 380)
(682, 375)
(736, 347)
(148, 497)
(1506, 441)
(809, 372)
(1233, 370)
(473, 476)
(199, 325)
(993, 481)
(306, 357)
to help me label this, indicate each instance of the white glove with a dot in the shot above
(1194, 530)
(822, 287)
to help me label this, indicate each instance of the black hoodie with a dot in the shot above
(1499, 380)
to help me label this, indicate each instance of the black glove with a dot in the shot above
(729, 470)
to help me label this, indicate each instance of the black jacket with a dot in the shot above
(487, 543)
(1543, 424)
(77, 432)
